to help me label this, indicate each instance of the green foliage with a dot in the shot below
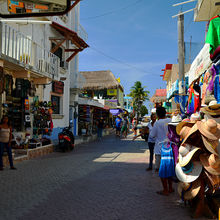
(139, 95)
(138, 92)
(143, 110)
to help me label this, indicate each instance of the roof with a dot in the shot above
(161, 92)
(97, 80)
(71, 35)
(159, 96)
(167, 71)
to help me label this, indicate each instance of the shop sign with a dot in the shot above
(112, 92)
(110, 104)
(200, 64)
(57, 87)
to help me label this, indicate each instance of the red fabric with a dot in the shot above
(197, 103)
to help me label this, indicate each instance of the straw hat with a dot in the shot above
(189, 132)
(210, 129)
(212, 109)
(176, 119)
(186, 153)
(211, 163)
(214, 117)
(188, 191)
(211, 146)
(190, 172)
(189, 122)
(185, 130)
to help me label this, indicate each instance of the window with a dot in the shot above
(58, 52)
(56, 104)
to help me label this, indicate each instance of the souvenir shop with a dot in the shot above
(89, 117)
(30, 118)
(197, 137)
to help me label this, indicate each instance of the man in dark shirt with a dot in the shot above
(100, 126)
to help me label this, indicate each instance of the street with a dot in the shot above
(100, 180)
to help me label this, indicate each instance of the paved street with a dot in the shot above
(100, 180)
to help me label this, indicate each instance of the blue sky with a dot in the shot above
(142, 35)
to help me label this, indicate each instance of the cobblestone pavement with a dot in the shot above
(100, 180)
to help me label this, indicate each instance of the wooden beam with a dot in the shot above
(73, 55)
(21, 74)
(71, 50)
(57, 46)
(74, 4)
(43, 80)
(56, 38)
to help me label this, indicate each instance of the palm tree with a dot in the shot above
(139, 95)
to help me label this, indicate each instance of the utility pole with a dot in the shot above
(181, 61)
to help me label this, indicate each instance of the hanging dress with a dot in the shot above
(167, 167)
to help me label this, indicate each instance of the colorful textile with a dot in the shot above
(167, 168)
(190, 107)
(205, 84)
(213, 35)
(217, 89)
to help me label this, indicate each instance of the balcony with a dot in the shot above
(23, 53)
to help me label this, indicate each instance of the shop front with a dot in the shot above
(90, 112)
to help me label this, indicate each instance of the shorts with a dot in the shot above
(118, 129)
(124, 129)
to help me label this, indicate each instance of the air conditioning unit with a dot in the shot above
(64, 65)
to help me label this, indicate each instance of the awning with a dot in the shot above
(68, 35)
(206, 9)
(201, 63)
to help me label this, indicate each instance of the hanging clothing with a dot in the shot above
(213, 34)
(190, 107)
(204, 86)
(167, 168)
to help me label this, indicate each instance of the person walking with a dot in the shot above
(5, 141)
(159, 132)
(118, 122)
(124, 129)
(134, 126)
(151, 141)
(100, 126)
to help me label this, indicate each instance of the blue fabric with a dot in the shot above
(217, 89)
(118, 122)
(167, 167)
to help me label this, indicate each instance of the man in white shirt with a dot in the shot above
(151, 140)
(159, 132)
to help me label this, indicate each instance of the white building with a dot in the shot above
(45, 54)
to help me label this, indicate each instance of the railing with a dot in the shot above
(82, 33)
(20, 49)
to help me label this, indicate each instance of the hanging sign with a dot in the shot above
(57, 87)
(200, 64)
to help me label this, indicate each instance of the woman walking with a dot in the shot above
(5, 141)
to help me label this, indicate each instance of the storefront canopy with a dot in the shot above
(201, 63)
(206, 9)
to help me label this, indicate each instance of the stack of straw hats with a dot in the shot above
(198, 155)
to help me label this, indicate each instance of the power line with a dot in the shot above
(111, 12)
(122, 62)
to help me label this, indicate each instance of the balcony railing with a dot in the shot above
(20, 49)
